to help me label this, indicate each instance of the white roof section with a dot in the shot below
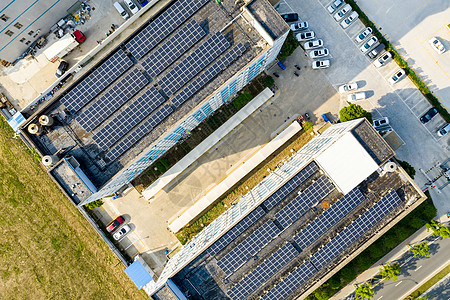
(347, 163)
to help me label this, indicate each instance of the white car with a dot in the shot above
(132, 6)
(122, 232)
(356, 96)
(380, 122)
(444, 130)
(321, 64)
(349, 20)
(348, 87)
(383, 59)
(340, 14)
(319, 53)
(299, 26)
(397, 76)
(305, 36)
(437, 45)
(334, 6)
(364, 48)
(313, 44)
(362, 36)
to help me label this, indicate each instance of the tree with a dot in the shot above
(268, 81)
(94, 204)
(354, 111)
(289, 46)
(420, 250)
(407, 167)
(389, 271)
(364, 291)
(438, 229)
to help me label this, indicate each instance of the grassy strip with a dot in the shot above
(391, 239)
(402, 63)
(427, 285)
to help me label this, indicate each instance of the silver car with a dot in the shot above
(319, 53)
(306, 36)
(372, 41)
(313, 44)
(340, 14)
(122, 232)
(382, 59)
(362, 36)
(331, 9)
(321, 64)
(349, 20)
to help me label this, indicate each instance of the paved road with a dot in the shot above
(440, 290)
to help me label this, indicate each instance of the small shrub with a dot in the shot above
(376, 252)
(94, 204)
(363, 262)
(354, 111)
(268, 81)
(408, 168)
(160, 167)
(335, 282)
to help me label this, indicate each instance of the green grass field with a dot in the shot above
(47, 249)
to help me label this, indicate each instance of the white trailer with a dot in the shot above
(60, 47)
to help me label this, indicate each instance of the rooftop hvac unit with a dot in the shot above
(45, 120)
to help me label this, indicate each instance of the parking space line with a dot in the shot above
(416, 103)
(417, 269)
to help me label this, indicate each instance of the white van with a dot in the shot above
(121, 10)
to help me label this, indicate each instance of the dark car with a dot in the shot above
(290, 17)
(115, 224)
(372, 54)
(143, 2)
(62, 68)
(428, 115)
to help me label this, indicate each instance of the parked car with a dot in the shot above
(122, 232)
(313, 44)
(364, 48)
(348, 87)
(362, 36)
(340, 14)
(444, 130)
(132, 6)
(115, 224)
(397, 76)
(305, 36)
(79, 36)
(356, 96)
(425, 118)
(299, 26)
(380, 122)
(143, 2)
(321, 64)
(319, 53)
(123, 13)
(290, 17)
(62, 68)
(349, 20)
(437, 45)
(372, 54)
(382, 59)
(333, 6)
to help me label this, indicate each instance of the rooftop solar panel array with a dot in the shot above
(139, 132)
(249, 247)
(129, 118)
(165, 55)
(114, 98)
(97, 81)
(263, 272)
(208, 75)
(329, 218)
(236, 231)
(162, 26)
(291, 185)
(355, 230)
(194, 63)
(297, 207)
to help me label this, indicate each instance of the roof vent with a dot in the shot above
(45, 120)
(49, 160)
(34, 129)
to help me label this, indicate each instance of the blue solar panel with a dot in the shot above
(114, 98)
(311, 196)
(292, 282)
(96, 82)
(249, 247)
(234, 232)
(355, 230)
(165, 55)
(194, 63)
(291, 185)
(128, 118)
(208, 75)
(139, 132)
(329, 218)
(162, 26)
(263, 272)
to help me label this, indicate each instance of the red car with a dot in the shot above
(79, 36)
(115, 224)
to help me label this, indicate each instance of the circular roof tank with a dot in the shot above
(45, 120)
(34, 128)
(49, 160)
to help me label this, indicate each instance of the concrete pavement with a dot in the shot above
(440, 290)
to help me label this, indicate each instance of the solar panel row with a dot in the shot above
(129, 118)
(234, 232)
(162, 26)
(165, 55)
(329, 218)
(249, 247)
(291, 185)
(194, 63)
(114, 98)
(263, 272)
(139, 132)
(208, 75)
(297, 207)
(97, 81)
(358, 227)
